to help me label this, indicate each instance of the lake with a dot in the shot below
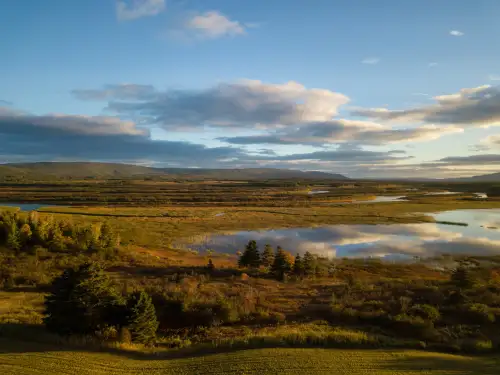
(25, 206)
(480, 237)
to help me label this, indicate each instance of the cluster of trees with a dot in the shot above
(84, 302)
(279, 263)
(23, 233)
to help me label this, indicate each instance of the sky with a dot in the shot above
(365, 88)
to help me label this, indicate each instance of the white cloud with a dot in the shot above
(478, 106)
(242, 104)
(133, 9)
(212, 25)
(371, 60)
(494, 77)
(343, 130)
(456, 33)
(432, 64)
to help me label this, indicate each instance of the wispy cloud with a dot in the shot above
(456, 33)
(494, 77)
(432, 64)
(371, 60)
(133, 9)
(212, 25)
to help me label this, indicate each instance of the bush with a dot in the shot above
(476, 346)
(477, 313)
(426, 312)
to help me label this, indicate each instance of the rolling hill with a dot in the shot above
(81, 170)
(21, 358)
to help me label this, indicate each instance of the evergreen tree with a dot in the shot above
(210, 265)
(298, 266)
(281, 265)
(462, 277)
(251, 256)
(81, 301)
(141, 318)
(310, 264)
(268, 256)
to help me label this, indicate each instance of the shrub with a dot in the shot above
(476, 346)
(477, 313)
(426, 312)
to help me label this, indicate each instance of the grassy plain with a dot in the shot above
(160, 227)
(18, 358)
(152, 216)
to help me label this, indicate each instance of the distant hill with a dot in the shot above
(485, 177)
(82, 170)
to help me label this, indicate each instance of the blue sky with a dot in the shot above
(254, 83)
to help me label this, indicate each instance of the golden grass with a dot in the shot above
(19, 358)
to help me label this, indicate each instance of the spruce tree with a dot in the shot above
(81, 301)
(268, 256)
(251, 256)
(281, 265)
(141, 318)
(210, 265)
(310, 264)
(462, 277)
(298, 266)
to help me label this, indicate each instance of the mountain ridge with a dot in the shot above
(75, 170)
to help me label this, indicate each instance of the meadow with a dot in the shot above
(29, 358)
(345, 316)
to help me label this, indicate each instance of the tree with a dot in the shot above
(251, 256)
(13, 240)
(298, 266)
(81, 301)
(268, 256)
(25, 234)
(462, 277)
(310, 264)
(57, 242)
(210, 265)
(141, 318)
(281, 265)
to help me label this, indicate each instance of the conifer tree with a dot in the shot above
(268, 256)
(141, 318)
(210, 265)
(310, 264)
(251, 256)
(81, 301)
(298, 266)
(281, 265)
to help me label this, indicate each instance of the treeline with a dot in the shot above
(27, 233)
(281, 264)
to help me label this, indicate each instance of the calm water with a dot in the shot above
(394, 240)
(25, 206)
(312, 192)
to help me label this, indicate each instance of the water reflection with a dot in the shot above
(25, 206)
(312, 192)
(395, 240)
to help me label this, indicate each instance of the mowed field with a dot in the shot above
(18, 358)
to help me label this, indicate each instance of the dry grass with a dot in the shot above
(18, 358)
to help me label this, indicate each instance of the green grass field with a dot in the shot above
(18, 358)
